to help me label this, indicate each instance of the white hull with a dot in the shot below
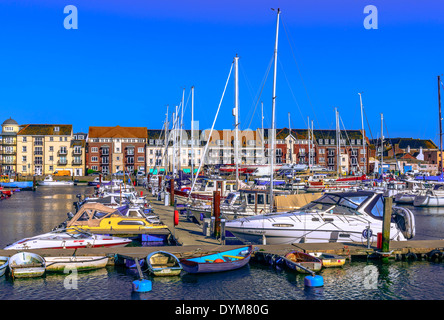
(429, 201)
(64, 241)
(293, 229)
(56, 183)
(59, 264)
(26, 265)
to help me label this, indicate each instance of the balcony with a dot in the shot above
(62, 162)
(77, 162)
(77, 152)
(62, 152)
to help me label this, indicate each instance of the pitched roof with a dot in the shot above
(45, 130)
(117, 132)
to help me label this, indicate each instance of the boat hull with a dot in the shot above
(295, 260)
(4, 262)
(210, 263)
(59, 264)
(163, 264)
(428, 201)
(27, 265)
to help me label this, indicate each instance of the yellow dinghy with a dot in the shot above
(98, 218)
(330, 260)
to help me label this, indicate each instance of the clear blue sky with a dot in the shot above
(129, 59)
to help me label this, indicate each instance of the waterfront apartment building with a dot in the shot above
(8, 146)
(221, 147)
(113, 149)
(46, 148)
(321, 147)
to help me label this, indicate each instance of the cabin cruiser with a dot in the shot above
(68, 239)
(98, 218)
(204, 190)
(49, 181)
(334, 217)
(431, 198)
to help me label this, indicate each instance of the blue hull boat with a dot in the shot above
(218, 262)
(18, 184)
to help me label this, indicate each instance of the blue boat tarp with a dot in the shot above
(439, 178)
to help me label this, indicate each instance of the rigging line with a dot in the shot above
(292, 93)
(299, 71)
(388, 136)
(368, 124)
(211, 132)
(349, 142)
(264, 80)
(250, 89)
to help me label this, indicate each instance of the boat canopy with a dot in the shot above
(91, 214)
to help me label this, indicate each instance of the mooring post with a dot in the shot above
(388, 203)
(172, 192)
(216, 210)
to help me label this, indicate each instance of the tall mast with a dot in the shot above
(180, 130)
(312, 146)
(382, 143)
(440, 124)
(192, 133)
(308, 141)
(263, 134)
(236, 119)
(166, 157)
(363, 133)
(273, 109)
(338, 148)
(289, 141)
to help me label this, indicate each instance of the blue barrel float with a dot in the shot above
(314, 281)
(142, 285)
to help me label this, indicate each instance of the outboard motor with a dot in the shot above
(405, 221)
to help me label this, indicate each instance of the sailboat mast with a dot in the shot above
(338, 148)
(236, 118)
(363, 134)
(192, 133)
(273, 109)
(440, 124)
(382, 143)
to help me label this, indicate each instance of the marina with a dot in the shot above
(191, 242)
(221, 202)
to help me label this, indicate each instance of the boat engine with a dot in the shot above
(405, 221)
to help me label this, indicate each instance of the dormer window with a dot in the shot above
(56, 129)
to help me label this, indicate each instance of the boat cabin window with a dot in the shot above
(229, 198)
(260, 198)
(376, 208)
(83, 217)
(99, 215)
(268, 199)
(250, 198)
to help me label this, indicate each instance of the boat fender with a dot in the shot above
(435, 255)
(411, 256)
(176, 217)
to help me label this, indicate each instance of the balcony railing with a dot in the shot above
(62, 152)
(62, 162)
(76, 162)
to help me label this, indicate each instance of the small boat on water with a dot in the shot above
(4, 262)
(27, 265)
(86, 263)
(330, 260)
(295, 259)
(162, 263)
(218, 262)
(68, 239)
(49, 181)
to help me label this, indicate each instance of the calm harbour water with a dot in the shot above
(30, 213)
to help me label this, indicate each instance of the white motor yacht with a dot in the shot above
(335, 217)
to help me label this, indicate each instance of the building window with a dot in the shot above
(24, 168)
(24, 139)
(94, 168)
(24, 159)
(24, 149)
(140, 159)
(140, 150)
(94, 159)
(51, 138)
(56, 129)
(94, 149)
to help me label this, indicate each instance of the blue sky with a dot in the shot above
(129, 59)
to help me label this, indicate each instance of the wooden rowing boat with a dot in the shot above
(162, 264)
(86, 263)
(4, 261)
(295, 259)
(218, 262)
(26, 265)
